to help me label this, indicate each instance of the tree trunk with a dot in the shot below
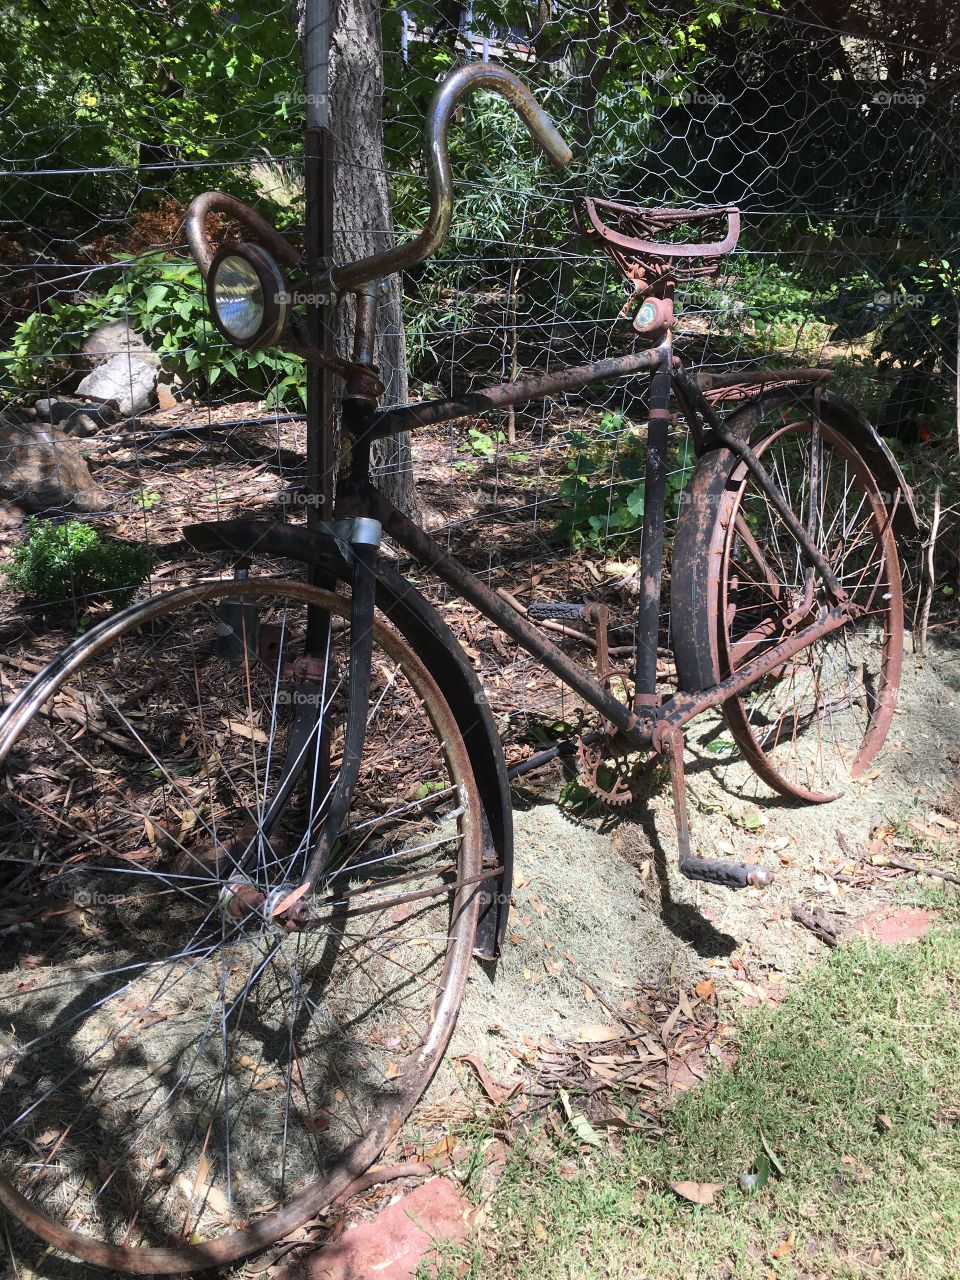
(363, 219)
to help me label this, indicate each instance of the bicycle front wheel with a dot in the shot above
(818, 720)
(184, 1080)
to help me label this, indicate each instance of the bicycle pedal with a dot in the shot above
(541, 610)
(732, 875)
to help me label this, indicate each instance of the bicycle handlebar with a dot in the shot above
(195, 226)
(478, 75)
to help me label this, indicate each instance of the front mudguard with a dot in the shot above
(427, 633)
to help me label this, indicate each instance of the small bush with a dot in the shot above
(60, 563)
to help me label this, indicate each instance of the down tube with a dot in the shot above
(432, 556)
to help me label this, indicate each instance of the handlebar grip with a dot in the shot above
(732, 875)
(549, 137)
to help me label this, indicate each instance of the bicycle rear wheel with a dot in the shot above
(182, 1080)
(817, 721)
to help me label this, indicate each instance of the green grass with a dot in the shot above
(851, 1081)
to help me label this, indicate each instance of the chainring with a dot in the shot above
(607, 770)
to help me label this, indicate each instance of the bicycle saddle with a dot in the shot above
(654, 248)
(635, 233)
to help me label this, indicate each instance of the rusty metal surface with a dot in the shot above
(732, 875)
(742, 450)
(629, 235)
(258, 227)
(430, 412)
(724, 387)
(432, 556)
(682, 707)
(636, 228)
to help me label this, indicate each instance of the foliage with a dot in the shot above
(133, 86)
(481, 443)
(163, 299)
(605, 487)
(62, 563)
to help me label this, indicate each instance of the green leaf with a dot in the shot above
(751, 1183)
(772, 1156)
(156, 296)
(579, 1122)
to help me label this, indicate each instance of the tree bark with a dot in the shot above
(363, 219)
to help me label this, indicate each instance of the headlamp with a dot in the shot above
(248, 296)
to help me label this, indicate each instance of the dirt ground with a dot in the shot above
(599, 905)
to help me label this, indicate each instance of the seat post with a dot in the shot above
(651, 549)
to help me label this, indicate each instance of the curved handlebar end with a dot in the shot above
(195, 226)
(478, 75)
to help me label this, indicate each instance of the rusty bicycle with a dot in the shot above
(287, 817)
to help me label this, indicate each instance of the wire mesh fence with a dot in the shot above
(829, 127)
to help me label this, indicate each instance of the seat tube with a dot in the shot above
(651, 550)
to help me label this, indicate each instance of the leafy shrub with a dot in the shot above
(59, 563)
(606, 486)
(163, 299)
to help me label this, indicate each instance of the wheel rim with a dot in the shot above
(818, 721)
(205, 1081)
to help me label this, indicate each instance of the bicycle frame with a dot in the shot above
(645, 724)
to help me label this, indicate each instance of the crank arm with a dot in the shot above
(732, 875)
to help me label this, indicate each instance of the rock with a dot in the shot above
(172, 389)
(126, 381)
(42, 468)
(62, 410)
(165, 397)
(397, 1242)
(113, 339)
(81, 425)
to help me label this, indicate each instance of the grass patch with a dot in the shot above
(853, 1082)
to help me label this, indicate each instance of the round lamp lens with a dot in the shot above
(238, 298)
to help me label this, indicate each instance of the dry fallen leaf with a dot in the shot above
(597, 1032)
(704, 989)
(783, 1248)
(697, 1192)
(243, 730)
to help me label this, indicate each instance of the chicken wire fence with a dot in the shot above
(829, 126)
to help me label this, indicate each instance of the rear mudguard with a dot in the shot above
(426, 632)
(847, 419)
